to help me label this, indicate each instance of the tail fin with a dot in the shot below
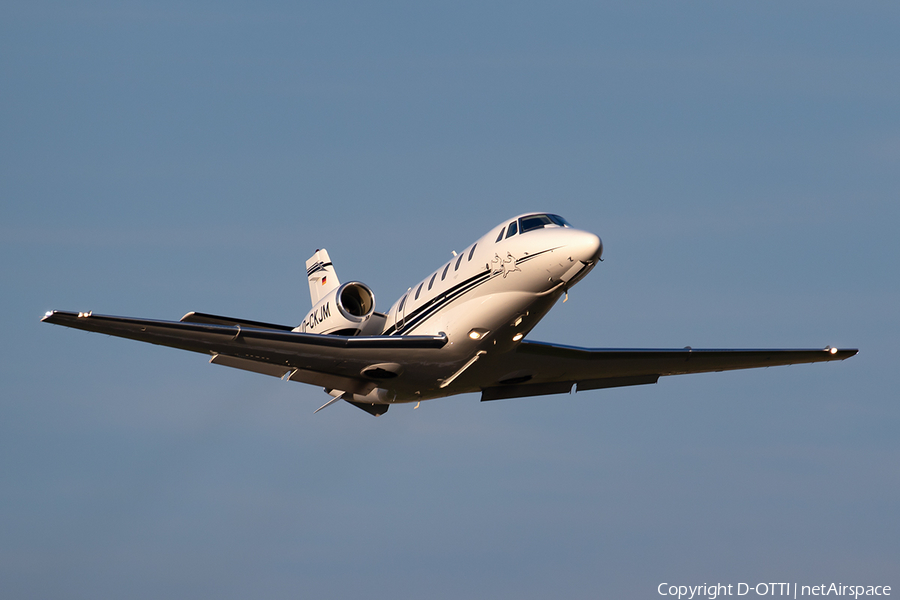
(322, 278)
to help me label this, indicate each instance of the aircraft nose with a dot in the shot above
(587, 247)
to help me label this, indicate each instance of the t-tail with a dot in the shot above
(347, 310)
(322, 278)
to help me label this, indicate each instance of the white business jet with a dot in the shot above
(457, 331)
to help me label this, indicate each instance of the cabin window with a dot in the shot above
(458, 260)
(472, 251)
(431, 283)
(512, 229)
(444, 274)
(419, 289)
(500, 237)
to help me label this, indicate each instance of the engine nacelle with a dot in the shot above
(345, 311)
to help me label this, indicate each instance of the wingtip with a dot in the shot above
(63, 317)
(841, 353)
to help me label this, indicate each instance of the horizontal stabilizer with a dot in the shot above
(376, 410)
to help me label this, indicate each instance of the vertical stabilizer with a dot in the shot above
(322, 278)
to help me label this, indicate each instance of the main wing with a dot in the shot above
(537, 368)
(330, 361)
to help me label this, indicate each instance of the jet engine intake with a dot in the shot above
(344, 311)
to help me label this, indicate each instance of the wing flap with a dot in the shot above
(610, 382)
(333, 382)
(525, 390)
(542, 389)
(249, 365)
(324, 380)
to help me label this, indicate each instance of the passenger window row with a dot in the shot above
(521, 225)
(443, 274)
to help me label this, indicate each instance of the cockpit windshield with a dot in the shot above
(532, 222)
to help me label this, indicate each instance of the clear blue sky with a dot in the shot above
(741, 162)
